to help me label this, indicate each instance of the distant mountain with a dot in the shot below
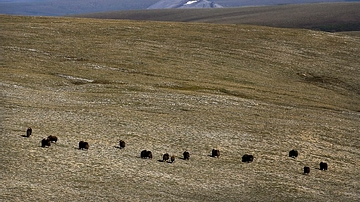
(71, 7)
(68, 7)
(165, 4)
(333, 17)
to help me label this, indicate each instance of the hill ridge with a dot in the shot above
(343, 16)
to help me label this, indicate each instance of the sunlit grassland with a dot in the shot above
(171, 87)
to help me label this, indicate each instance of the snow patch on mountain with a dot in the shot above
(166, 4)
(190, 2)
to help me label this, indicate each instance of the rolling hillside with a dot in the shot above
(69, 7)
(332, 17)
(170, 87)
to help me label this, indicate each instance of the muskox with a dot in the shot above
(121, 144)
(166, 157)
(28, 132)
(172, 159)
(83, 145)
(215, 153)
(293, 153)
(45, 142)
(146, 154)
(53, 138)
(247, 158)
(186, 155)
(306, 170)
(323, 166)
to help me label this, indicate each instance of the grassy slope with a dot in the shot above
(170, 87)
(325, 16)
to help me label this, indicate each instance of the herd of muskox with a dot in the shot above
(293, 154)
(166, 158)
(46, 142)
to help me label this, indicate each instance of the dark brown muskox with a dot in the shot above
(215, 153)
(149, 154)
(28, 132)
(247, 158)
(323, 166)
(146, 154)
(83, 145)
(186, 155)
(172, 159)
(166, 157)
(306, 170)
(45, 142)
(143, 154)
(293, 153)
(53, 138)
(122, 144)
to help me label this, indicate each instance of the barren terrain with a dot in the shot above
(170, 87)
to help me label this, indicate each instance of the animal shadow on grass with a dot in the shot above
(210, 156)
(77, 148)
(23, 136)
(165, 161)
(117, 147)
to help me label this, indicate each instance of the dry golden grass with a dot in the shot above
(171, 87)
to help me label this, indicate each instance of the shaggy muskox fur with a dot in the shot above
(172, 159)
(28, 132)
(122, 144)
(186, 155)
(306, 170)
(146, 154)
(215, 153)
(53, 138)
(166, 157)
(45, 142)
(83, 145)
(323, 166)
(293, 153)
(247, 158)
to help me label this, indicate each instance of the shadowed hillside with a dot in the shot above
(325, 17)
(168, 87)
